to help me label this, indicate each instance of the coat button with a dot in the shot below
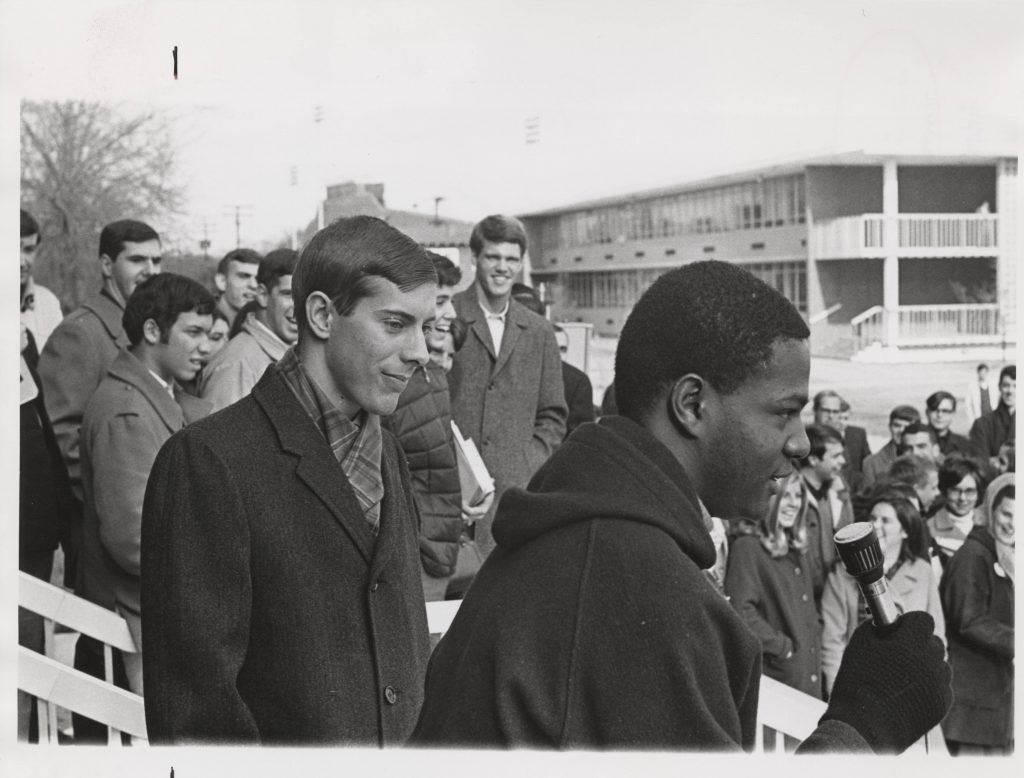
(374, 587)
(390, 695)
(803, 597)
(814, 676)
(796, 570)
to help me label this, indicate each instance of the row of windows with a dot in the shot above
(772, 202)
(622, 288)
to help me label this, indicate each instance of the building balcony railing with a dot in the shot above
(928, 325)
(870, 235)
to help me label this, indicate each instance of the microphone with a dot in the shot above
(858, 547)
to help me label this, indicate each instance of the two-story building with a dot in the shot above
(882, 253)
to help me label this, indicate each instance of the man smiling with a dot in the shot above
(592, 624)
(265, 335)
(281, 592)
(506, 381)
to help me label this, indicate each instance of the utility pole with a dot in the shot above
(204, 244)
(437, 201)
(238, 214)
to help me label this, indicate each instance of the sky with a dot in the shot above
(433, 98)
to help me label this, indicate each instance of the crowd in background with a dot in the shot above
(104, 387)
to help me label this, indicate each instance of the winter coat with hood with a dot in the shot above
(422, 422)
(592, 624)
(978, 599)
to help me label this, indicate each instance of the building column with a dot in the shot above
(1008, 257)
(891, 266)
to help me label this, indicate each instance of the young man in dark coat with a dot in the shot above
(281, 594)
(994, 434)
(592, 624)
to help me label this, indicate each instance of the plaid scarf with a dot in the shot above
(356, 443)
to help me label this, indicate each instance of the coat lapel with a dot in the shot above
(468, 309)
(130, 370)
(514, 324)
(317, 467)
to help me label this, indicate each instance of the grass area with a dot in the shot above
(871, 390)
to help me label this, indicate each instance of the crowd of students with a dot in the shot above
(152, 352)
(942, 505)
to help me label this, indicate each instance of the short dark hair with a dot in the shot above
(278, 263)
(459, 331)
(709, 318)
(907, 413)
(822, 395)
(981, 367)
(344, 258)
(448, 273)
(29, 226)
(497, 228)
(911, 469)
(1009, 370)
(819, 436)
(1008, 492)
(917, 428)
(936, 398)
(527, 296)
(116, 234)
(162, 298)
(238, 255)
(955, 469)
(844, 407)
(915, 544)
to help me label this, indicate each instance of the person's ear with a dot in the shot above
(151, 332)
(319, 315)
(686, 405)
(262, 295)
(106, 266)
(221, 282)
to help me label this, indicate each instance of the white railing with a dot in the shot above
(947, 230)
(868, 327)
(54, 684)
(783, 712)
(913, 234)
(929, 325)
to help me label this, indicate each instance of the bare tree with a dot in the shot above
(83, 165)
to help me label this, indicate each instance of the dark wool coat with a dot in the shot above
(592, 624)
(992, 430)
(270, 612)
(44, 496)
(511, 403)
(422, 422)
(774, 596)
(978, 604)
(579, 397)
(856, 450)
(73, 362)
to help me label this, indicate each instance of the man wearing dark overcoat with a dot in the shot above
(281, 592)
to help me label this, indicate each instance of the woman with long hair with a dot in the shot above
(769, 584)
(907, 567)
(977, 595)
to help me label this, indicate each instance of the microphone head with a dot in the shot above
(858, 547)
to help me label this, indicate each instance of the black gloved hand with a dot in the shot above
(893, 683)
